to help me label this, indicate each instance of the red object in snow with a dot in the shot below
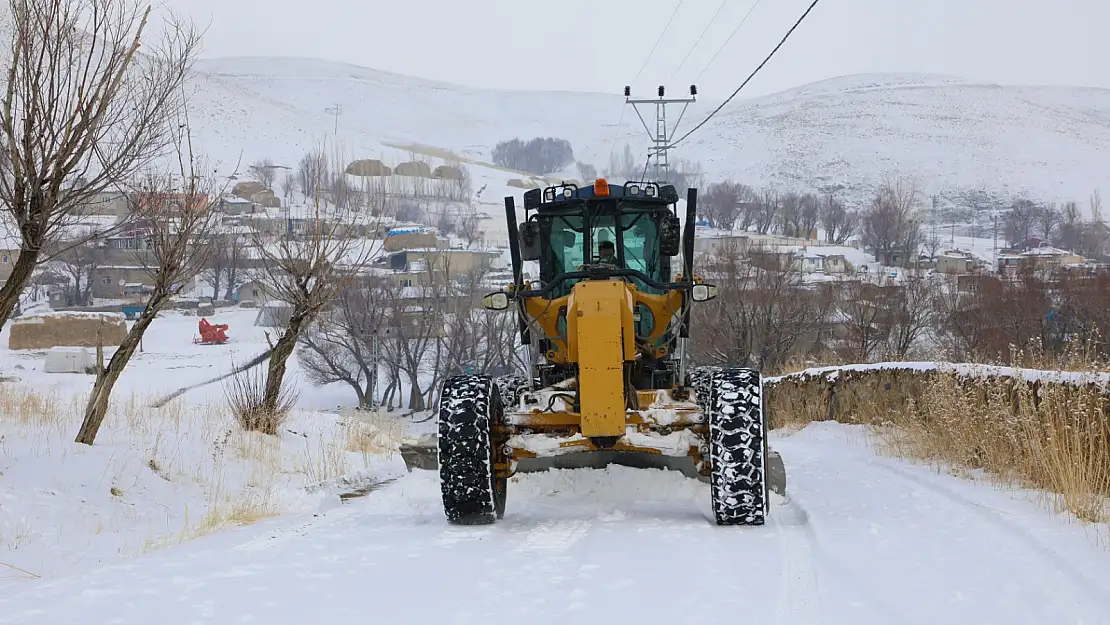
(211, 334)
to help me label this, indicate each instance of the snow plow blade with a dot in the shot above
(423, 454)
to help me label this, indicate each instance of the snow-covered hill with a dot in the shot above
(1048, 142)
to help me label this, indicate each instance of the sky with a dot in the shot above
(602, 45)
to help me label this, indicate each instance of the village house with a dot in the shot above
(955, 262)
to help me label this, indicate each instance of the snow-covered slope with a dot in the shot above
(1049, 142)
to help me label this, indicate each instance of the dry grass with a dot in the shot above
(245, 392)
(1050, 436)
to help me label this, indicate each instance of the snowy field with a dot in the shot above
(176, 517)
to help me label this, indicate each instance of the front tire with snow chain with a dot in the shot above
(469, 408)
(512, 386)
(737, 447)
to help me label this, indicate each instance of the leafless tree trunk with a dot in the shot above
(179, 214)
(340, 346)
(307, 272)
(82, 110)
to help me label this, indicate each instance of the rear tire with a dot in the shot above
(469, 408)
(737, 447)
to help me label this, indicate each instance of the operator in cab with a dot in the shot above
(607, 253)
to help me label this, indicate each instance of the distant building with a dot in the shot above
(955, 262)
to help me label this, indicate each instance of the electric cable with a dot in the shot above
(750, 76)
(698, 40)
(724, 45)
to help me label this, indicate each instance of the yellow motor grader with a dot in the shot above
(610, 382)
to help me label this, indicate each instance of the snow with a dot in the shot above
(41, 317)
(949, 133)
(1078, 378)
(673, 444)
(861, 539)
(160, 477)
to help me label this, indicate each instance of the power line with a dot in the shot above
(743, 21)
(752, 75)
(670, 20)
(698, 40)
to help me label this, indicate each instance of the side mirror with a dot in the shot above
(496, 301)
(530, 241)
(670, 236)
(703, 292)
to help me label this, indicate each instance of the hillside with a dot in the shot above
(951, 133)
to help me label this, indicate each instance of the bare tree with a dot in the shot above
(228, 263)
(1019, 220)
(839, 224)
(79, 262)
(864, 309)
(1069, 234)
(1047, 218)
(415, 318)
(307, 272)
(178, 213)
(288, 184)
(469, 226)
(808, 214)
(762, 317)
(340, 346)
(766, 210)
(721, 202)
(891, 224)
(82, 111)
(313, 172)
(264, 172)
(913, 313)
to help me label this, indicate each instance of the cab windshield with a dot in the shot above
(637, 247)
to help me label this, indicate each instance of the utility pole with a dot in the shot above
(934, 240)
(661, 136)
(337, 110)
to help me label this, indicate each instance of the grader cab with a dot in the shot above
(607, 323)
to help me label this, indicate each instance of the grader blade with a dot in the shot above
(422, 453)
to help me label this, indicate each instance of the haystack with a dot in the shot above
(368, 167)
(413, 168)
(447, 172)
(67, 329)
(246, 189)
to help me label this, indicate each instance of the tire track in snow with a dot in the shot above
(553, 537)
(996, 519)
(799, 601)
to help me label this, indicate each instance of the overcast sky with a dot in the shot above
(600, 45)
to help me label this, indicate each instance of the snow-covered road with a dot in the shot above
(863, 540)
